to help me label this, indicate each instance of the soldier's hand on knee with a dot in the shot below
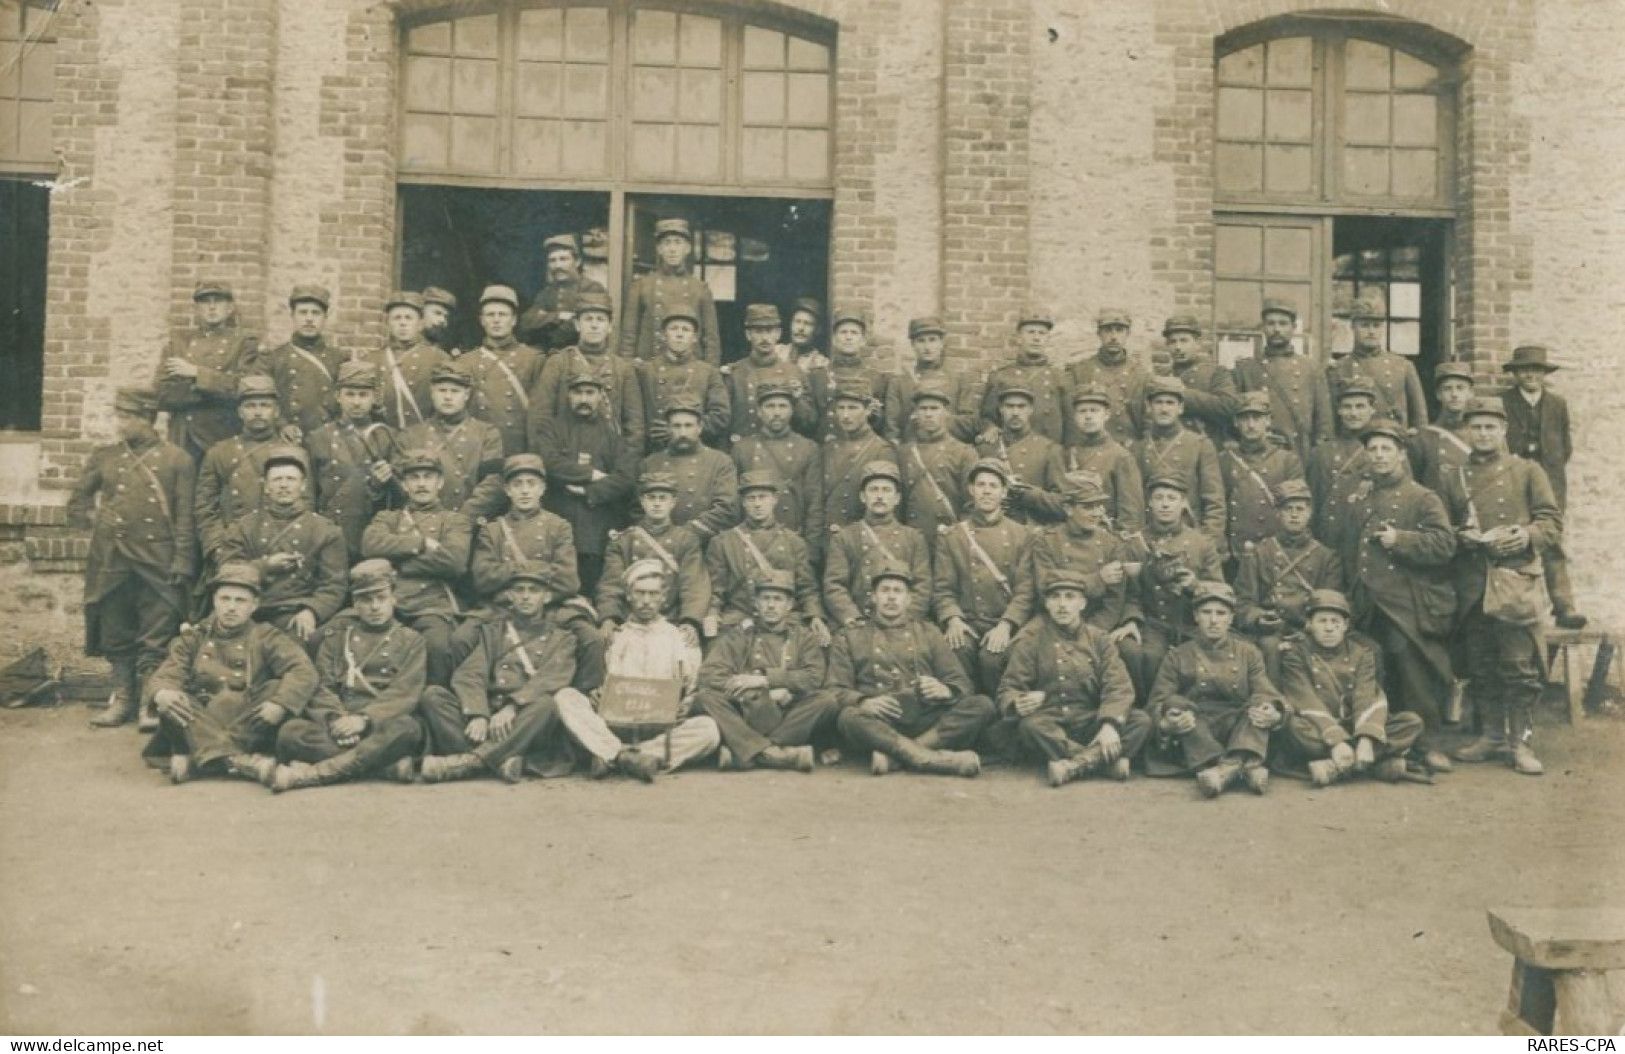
(1130, 630)
(883, 706)
(350, 727)
(1365, 754)
(1343, 757)
(997, 639)
(1177, 723)
(1028, 702)
(303, 624)
(1264, 716)
(934, 690)
(269, 713)
(1109, 742)
(175, 705)
(820, 631)
(502, 722)
(959, 633)
(477, 729)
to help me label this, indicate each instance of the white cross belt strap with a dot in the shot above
(513, 378)
(987, 561)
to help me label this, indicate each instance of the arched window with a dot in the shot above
(597, 118)
(1334, 178)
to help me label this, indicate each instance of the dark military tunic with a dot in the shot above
(707, 489)
(799, 464)
(403, 380)
(745, 377)
(983, 574)
(741, 556)
(1184, 455)
(844, 459)
(230, 483)
(203, 409)
(1336, 474)
(873, 658)
(853, 374)
(1083, 552)
(1278, 574)
(505, 374)
(305, 373)
(1439, 450)
(555, 300)
(1210, 395)
(790, 659)
(1251, 474)
(653, 294)
(1125, 380)
(1076, 670)
(1119, 476)
(1166, 606)
(1499, 490)
(623, 391)
(379, 674)
(964, 411)
(665, 378)
(341, 458)
(572, 449)
(1218, 682)
(518, 538)
(934, 473)
(678, 548)
(1037, 474)
(1399, 389)
(469, 450)
(860, 549)
(431, 578)
(1049, 384)
(319, 581)
(1300, 402)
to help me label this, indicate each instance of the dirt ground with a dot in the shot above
(776, 902)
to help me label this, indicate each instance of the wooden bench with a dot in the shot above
(1561, 960)
(1571, 670)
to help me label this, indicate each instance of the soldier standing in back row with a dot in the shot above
(851, 372)
(1254, 467)
(439, 306)
(762, 367)
(934, 464)
(1300, 404)
(1031, 370)
(1093, 450)
(592, 353)
(561, 298)
(233, 471)
(1115, 370)
(504, 371)
(793, 458)
(1441, 448)
(591, 473)
(196, 379)
(656, 294)
(927, 337)
(351, 457)
(1169, 451)
(406, 363)
(1399, 390)
(135, 496)
(675, 375)
(1210, 389)
(306, 367)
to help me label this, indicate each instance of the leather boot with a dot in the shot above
(1064, 770)
(1216, 777)
(1323, 773)
(403, 771)
(881, 763)
(443, 768)
(1483, 748)
(965, 763)
(637, 764)
(123, 703)
(261, 768)
(180, 768)
(1257, 776)
(293, 776)
(147, 712)
(1390, 770)
(1524, 761)
(512, 769)
(790, 759)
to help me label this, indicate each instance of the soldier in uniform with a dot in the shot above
(764, 367)
(982, 589)
(352, 457)
(1300, 403)
(902, 692)
(1506, 518)
(1035, 460)
(135, 497)
(592, 353)
(850, 372)
(1094, 450)
(196, 380)
(306, 367)
(469, 450)
(655, 537)
(927, 337)
(760, 683)
(525, 534)
(674, 375)
(1254, 466)
(591, 474)
(1210, 389)
(934, 464)
(707, 484)
(795, 460)
(802, 351)
(225, 687)
(851, 446)
(740, 556)
(504, 371)
(1169, 559)
(1213, 705)
(646, 647)
(1031, 370)
(230, 478)
(1339, 723)
(371, 673)
(1169, 451)
(1399, 390)
(1066, 696)
(657, 294)
(1114, 369)
(503, 693)
(1336, 468)
(438, 307)
(1276, 576)
(429, 546)
(1538, 430)
(561, 298)
(1440, 449)
(876, 540)
(1396, 545)
(406, 363)
(300, 555)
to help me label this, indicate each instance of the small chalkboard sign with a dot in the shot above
(640, 702)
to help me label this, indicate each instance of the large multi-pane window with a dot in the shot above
(27, 163)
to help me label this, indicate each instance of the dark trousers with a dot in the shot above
(1054, 733)
(1556, 563)
(955, 726)
(590, 567)
(1504, 664)
(1302, 741)
(751, 724)
(1219, 730)
(440, 711)
(385, 743)
(1144, 658)
(437, 631)
(133, 624)
(225, 725)
(984, 668)
(1413, 682)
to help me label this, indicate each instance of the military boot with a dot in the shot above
(1390, 770)
(637, 764)
(1323, 773)
(261, 768)
(1064, 770)
(293, 776)
(512, 769)
(965, 763)
(1216, 777)
(180, 768)
(1483, 748)
(443, 768)
(403, 771)
(791, 759)
(124, 702)
(880, 763)
(1257, 775)
(147, 718)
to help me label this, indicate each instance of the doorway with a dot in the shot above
(1404, 264)
(25, 219)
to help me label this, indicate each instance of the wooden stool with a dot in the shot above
(1566, 645)
(1561, 959)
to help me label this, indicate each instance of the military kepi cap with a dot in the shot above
(1359, 384)
(451, 372)
(357, 374)
(1276, 306)
(681, 309)
(255, 386)
(1062, 578)
(924, 326)
(560, 241)
(499, 294)
(1032, 315)
(762, 316)
(673, 226)
(1112, 316)
(990, 465)
(593, 300)
(520, 464)
(404, 298)
(1182, 324)
(685, 403)
(1455, 370)
(1486, 406)
(584, 379)
(849, 314)
(880, 470)
(1329, 600)
(311, 293)
(775, 390)
(1531, 355)
(418, 460)
(1165, 386)
(1386, 426)
(1253, 403)
(759, 479)
(1083, 488)
(212, 287)
(1220, 591)
(238, 573)
(932, 388)
(371, 576)
(287, 454)
(135, 401)
(1092, 393)
(1167, 483)
(778, 580)
(534, 571)
(651, 482)
(444, 297)
(1293, 490)
(891, 570)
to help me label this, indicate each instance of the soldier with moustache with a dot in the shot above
(934, 464)
(135, 498)
(1031, 371)
(1276, 575)
(526, 534)
(439, 305)
(231, 477)
(1168, 450)
(352, 457)
(1211, 399)
(564, 293)
(591, 474)
(851, 373)
(504, 371)
(796, 461)
(1034, 460)
(1300, 402)
(928, 339)
(803, 352)
(707, 483)
(875, 541)
(307, 366)
(1399, 390)
(982, 592)
(592, 353)
(763, 367)
(428, 545)
(850, 446)
(1114, 369)
(406, 363)
(1254, 465)
(674, 376)
(371, 671)
(655, 537)
(196, 378)
(1092, 449)
(469, 450)
(740, 556)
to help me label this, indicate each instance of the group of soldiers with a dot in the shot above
(418, 562)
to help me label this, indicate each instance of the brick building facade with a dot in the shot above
(981, 155)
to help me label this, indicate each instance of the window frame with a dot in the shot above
(45, 165)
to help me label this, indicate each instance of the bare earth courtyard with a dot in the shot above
(775, 902)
